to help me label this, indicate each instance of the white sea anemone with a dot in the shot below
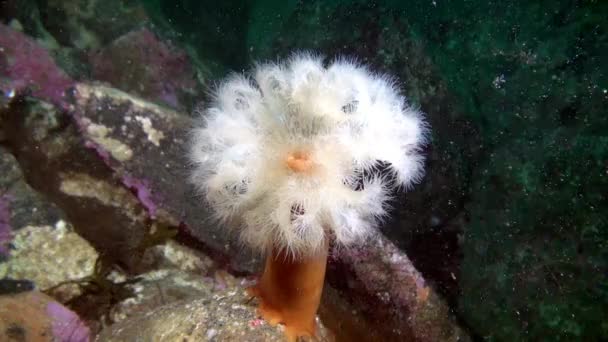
(296, 151)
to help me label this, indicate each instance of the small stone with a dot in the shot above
(33, 316)
(49, 256)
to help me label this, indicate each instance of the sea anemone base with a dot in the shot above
(289, 291)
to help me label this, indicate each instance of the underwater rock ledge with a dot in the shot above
(377, 279)
(121, 141)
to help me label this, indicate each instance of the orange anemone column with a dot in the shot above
(290, 290)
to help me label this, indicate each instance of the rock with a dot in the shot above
(392, 300)
(173, 255)
(5, 228)
(177, 273)
(145, 146)
(56, 162)
(25, 206)
(24, 64)
(48, 256)
(187, 297)
(221, 318)
(66, 168)
(20, 205)
(88, 25)
(141, 64)
(33, 316)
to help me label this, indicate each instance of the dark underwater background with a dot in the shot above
(510, 223)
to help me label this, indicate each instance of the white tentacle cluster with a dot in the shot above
(296, 150)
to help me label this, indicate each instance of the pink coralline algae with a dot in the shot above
(256, 322)
(143, 193)
(66, 325)
(5, 228)
(24, 64)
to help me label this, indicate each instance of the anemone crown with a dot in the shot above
(295, 150)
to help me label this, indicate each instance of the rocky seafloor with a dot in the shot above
(101, 237)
